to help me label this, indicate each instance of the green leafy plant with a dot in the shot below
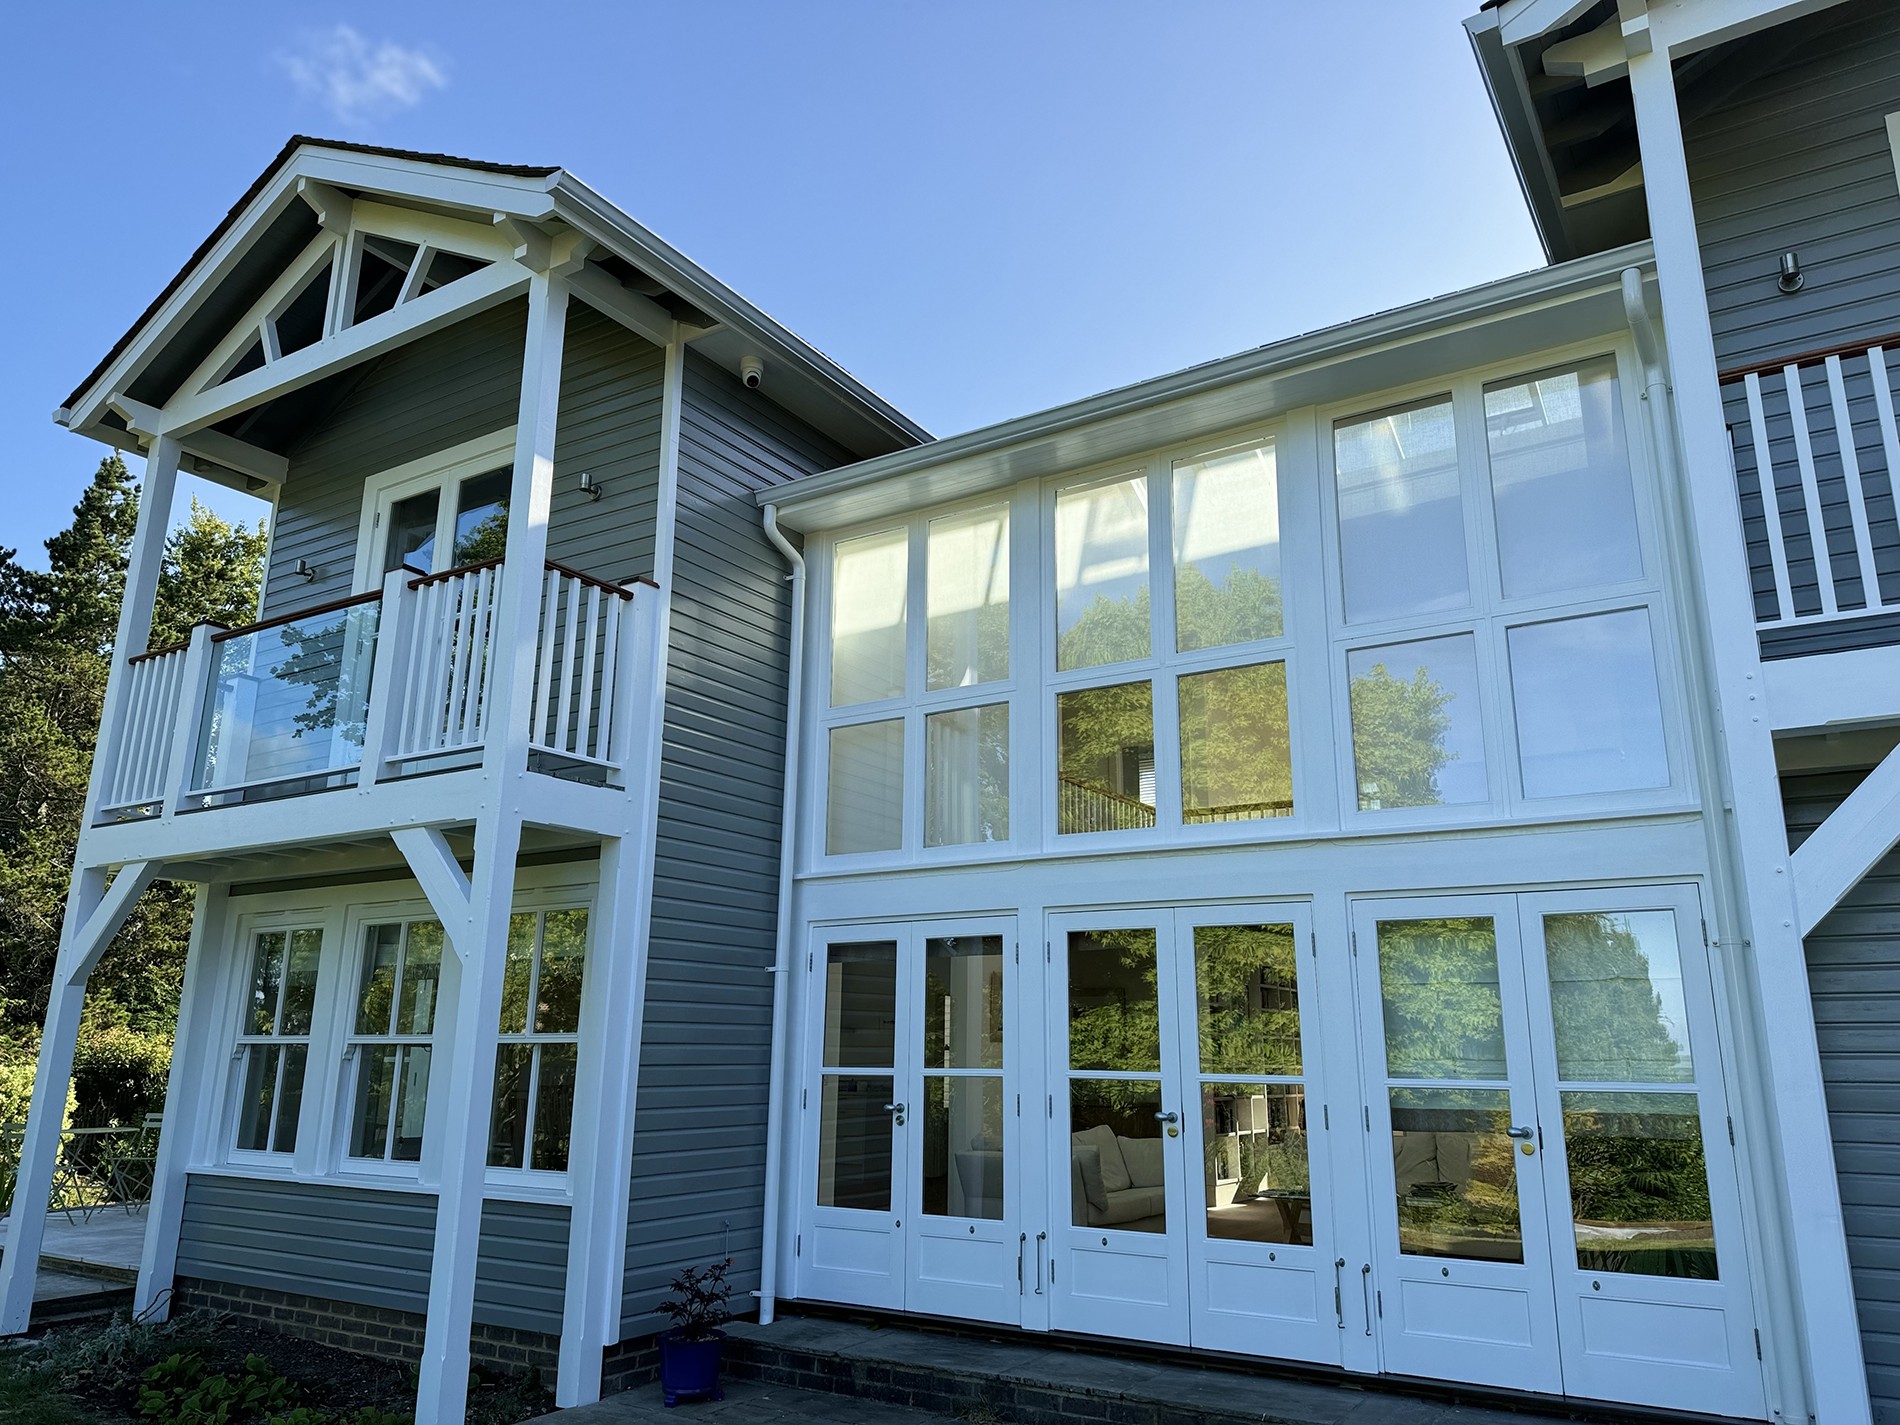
(698, 1307)
(177, 1391)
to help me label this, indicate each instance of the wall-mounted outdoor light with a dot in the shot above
(1791, 274)
(304, 570)
(591, 487)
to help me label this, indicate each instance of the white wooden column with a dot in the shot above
(600, 1167)
(94, 913)
(475, 910)
(1794, 1183)
(189, 1092)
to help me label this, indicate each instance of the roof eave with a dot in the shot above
(1523, 134)
(1397, 327)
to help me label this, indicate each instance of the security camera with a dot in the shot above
(752, 372)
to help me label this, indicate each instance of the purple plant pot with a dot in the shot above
(689, 1370)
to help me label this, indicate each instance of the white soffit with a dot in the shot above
(1517, 316)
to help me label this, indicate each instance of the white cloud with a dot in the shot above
(357, 80)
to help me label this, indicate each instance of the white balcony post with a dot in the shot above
(459, 1113)
(1809, 1327)
(135, 609)
(194, 701)
(94, 913)
(188, 1095)
(386, 675)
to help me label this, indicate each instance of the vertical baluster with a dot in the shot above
(584, 712)
(482, 661)
(1850, 476)
(152, 744)
(441, 654)
(458, 662)
(609, 660)
(1770, 498)
(1883, 404)
(421, 629)
(559, 741)
(544, 657)
(1810, 489)
(130, 739)
(171, 687)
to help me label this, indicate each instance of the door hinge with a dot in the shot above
(798, 1245)
(810, 961)
(1312, 944)
(804, 1098)
(1052, 1105)
(1758, 1343)
(376, 520)
(1731, 1132)
(1355, 942)
(1368, 1113)
(1325, 1116)
(1019, 1105)
(1378, 1304)
(1705, 933)
(1048, 953)
(1019, 954)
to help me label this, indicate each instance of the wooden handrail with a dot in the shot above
(590, 581)
(314, 612)
(453, 573)
(152, 653)
(1806, 358)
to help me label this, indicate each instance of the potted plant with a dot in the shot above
(689, 1352)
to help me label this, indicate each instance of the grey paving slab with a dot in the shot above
(109, 1237)
(746, 1403)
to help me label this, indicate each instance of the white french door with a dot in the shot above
(911, 1198)
(1191, 1202)
(1559, 1211)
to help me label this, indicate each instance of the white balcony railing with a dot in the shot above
(1817, 454)
(403, 680)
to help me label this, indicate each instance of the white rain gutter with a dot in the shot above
(1778, 1290)
(783, 959)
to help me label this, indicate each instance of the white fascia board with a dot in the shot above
(591, 214)
(1520, 20)
(402, 179)
(1224, 394)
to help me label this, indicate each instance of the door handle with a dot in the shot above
(1168, 1117)
(896, 1111)
(1041, 1237)
(1520, 1133)
(1022, 1240)
(1365, 1294)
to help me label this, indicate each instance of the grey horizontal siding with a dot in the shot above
(1787, 147)
(370, 1247)
(1854, 979)
(451, 386)
(457, 385)
(699, 1144)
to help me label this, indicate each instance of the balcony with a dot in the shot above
(1816, 453)
(381, 688)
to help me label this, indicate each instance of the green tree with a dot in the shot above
(1398, 738)
(56, 632)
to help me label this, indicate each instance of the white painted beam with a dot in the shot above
(1595, 57)
(441, 877)
(1845, 847)
(331, 206)
(147, 422)
(642, 316)
(193, 411)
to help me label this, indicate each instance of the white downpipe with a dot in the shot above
(783, 958)
(1778, 1292)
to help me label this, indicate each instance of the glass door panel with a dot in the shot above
(964, 1251)
(854, 1252)
(1119, 1265)
(1256, 1282)
(1463, 1288)
(1642, 1189)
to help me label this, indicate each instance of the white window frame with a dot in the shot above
(541, 907)
(352, 1045)
(1314, 645)
(323, 1136)
(443, 471)
(233, 1014)
(1489, 616)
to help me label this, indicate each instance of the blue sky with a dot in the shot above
(981, 209)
